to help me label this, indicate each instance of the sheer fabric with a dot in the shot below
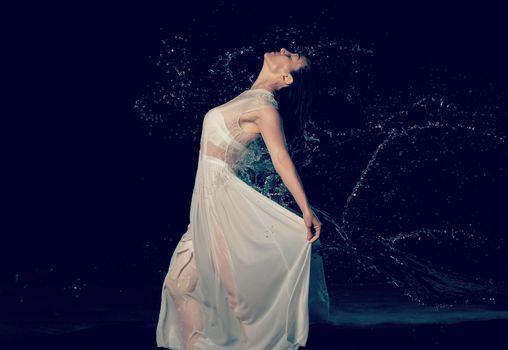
(241, 276)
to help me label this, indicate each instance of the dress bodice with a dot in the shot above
(222, 137)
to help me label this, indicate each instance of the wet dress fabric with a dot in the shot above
(243, 275)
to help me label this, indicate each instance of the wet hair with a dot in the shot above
(295, 104)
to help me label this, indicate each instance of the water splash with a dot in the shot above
(396, 169)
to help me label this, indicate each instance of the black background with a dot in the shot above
(76, 149)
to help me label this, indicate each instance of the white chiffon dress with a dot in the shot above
(243, 275)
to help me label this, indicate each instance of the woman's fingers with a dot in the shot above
(309, 233)
(316, 234)
(311, 221)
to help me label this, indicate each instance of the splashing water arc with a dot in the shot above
(408, 181)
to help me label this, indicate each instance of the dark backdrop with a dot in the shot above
(77, 155)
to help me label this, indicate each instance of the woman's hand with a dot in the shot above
(311, 220)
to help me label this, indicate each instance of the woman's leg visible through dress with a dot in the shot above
(181, 281)
(227, 279)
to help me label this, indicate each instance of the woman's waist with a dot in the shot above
(220, 161)
(215, 160)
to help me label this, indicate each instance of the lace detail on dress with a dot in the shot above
(265, 98)
(256, 99)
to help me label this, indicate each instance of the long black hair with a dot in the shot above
(295, 104)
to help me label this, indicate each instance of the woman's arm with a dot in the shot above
(270, 125)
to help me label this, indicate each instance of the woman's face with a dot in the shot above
(284, 61)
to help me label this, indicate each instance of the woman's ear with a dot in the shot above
(287, 78)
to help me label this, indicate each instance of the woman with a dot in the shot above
(239, 276)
